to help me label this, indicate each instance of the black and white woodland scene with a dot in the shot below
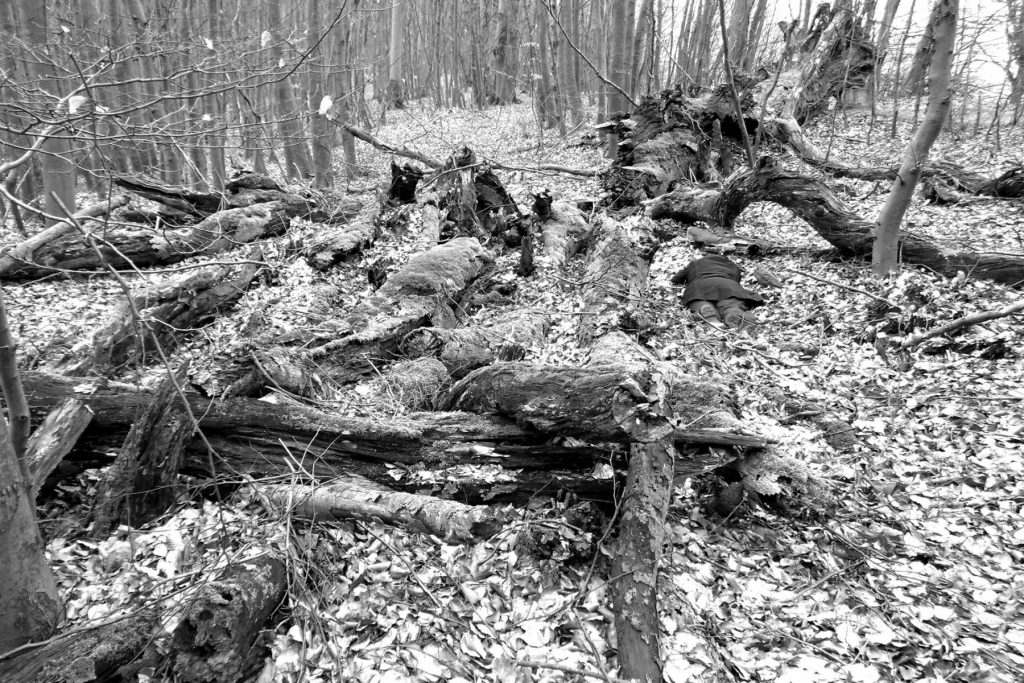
(511, 341)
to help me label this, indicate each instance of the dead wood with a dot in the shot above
(403, 151)
(24, 252)
(55, 438)
(563, 231)
(815, 203)
(169, 312)
(114, 651)
(359, 498)
(217, 639)
(464, 349)
(140, 248)
(960, 323)
(141, 483)
(326, 252)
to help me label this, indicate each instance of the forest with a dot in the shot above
(511, 340)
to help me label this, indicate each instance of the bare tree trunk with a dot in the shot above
(505, 55)
(58, 169)
(885, 254)
(321, 127)
(543, 97)
(286, 109)
(618, 66)
(395, 89)
(569, 94)
(1015, 39)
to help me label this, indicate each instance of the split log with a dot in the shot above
(600, 402)
(217, 639)
(168, 312)
(114, 651)
(358, 498)
(141, 484)
(24, 252)
(637, 560)
(258, 438)
(140, 248)
(244, 189)
(326, 252)
(55, 438)
(465, 349)
(813, 201)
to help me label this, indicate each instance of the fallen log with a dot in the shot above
(140, 248)
(465, 349)
(167, 312)
(821, 208)
(216, 639)
(114, 651)
(141, 484)
(603, 402)
(326, 252)
(24, 252)
(55, 438)
(562, 228)
(358, 498)
(258, 438)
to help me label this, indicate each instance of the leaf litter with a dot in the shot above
(914, 575)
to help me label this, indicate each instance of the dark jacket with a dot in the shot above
(713, 278)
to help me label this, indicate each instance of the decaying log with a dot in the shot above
(24, 252)
(141, 484)
(563, 231)
(404, 179)
(114, 651)
(326, 252)
(358, 498)
(245, 189)
(169, 311)
(602, 402)
(258, 438)
(813, 201)
(140, 248)
(464, 349)
(410, 384)
(420, 293)
(55, 438)
(217, 637)
(637, 560)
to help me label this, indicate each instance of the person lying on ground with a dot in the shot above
(713, 292)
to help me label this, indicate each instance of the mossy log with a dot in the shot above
(168, 313)
(338, 244)
(216, 639)
(114, 651)
(145, 247)
(464, 349)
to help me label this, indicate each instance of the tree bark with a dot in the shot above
(358, 498)
(141, 483)
(54, 439)
(216, 639)
(395, 88)
(114, 651)
(942, 26)
(169, 312)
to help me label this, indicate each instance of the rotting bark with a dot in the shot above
(216, 639)
(563, 231)
(464, 349)
(141, 484)
(257, 438)
(24, 252)
(326, 252)
(815, 203)
(140, 248)
(55, 438)
(170, 311)
(113, 651)
(358, 498)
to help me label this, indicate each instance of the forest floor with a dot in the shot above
(913, 575)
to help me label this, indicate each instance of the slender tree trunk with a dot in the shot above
(942, 25)
(1015, 39)
(544, 100)
(58, 168)
(395, 89)
(618, 66)
(505, 56)
(569, 94)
